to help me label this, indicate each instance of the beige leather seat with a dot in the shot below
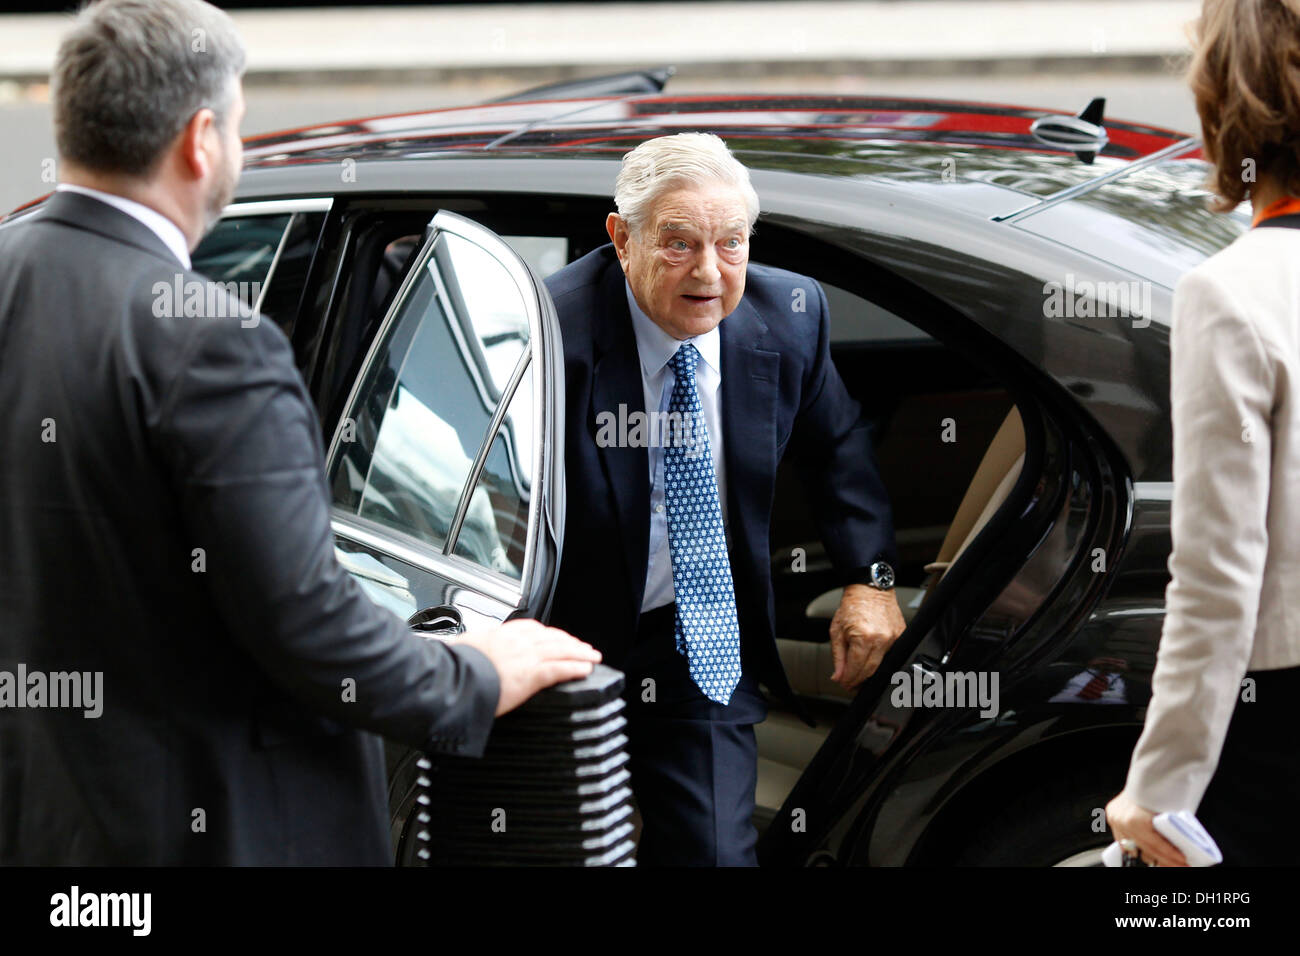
(785, 743)
(993, 481)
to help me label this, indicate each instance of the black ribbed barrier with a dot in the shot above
(552, 787)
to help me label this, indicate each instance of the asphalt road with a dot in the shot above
(27, 138)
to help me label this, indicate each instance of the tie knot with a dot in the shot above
(684, 360)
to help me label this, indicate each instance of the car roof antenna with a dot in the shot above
(1084, 134)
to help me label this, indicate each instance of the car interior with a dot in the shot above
(949, 445)
(949, 439)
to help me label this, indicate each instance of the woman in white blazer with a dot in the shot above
(1218, 738)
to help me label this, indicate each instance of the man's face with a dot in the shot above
(686, 265)
(230, 160)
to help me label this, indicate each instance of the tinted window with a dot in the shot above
(266, 257)
(284, 286)
(241, 250)
(408, 443)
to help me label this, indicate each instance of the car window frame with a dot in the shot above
(254, 209)
(536, 579)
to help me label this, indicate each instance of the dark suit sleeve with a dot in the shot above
(832, 448)
(244, 450)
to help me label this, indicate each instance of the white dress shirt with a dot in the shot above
(655, 348)
(160, 225)
(1234, 601)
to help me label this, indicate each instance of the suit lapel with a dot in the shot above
(749, 394)
(616, 382)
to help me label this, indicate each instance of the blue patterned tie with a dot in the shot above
(707, 631)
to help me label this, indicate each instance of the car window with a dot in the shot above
(284, 286)
(443, 362)
(262, 259)
(544, 254)
(485, 298)
(241, 250)
(495, 531)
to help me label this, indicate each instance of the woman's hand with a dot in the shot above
(1128, 821)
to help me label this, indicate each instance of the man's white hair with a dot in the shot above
(665, 163)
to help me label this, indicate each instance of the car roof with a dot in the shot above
(613, 122)
(892, 138)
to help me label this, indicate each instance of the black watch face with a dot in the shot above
(882, 575)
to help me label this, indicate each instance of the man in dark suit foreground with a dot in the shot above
(182, 659)
(665, 565)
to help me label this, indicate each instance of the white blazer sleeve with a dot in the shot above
(1222, 395)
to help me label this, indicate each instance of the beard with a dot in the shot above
(222, 191)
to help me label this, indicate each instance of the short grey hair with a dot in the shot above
(669, 162)
(130, 74)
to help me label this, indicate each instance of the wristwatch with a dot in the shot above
(880, 576)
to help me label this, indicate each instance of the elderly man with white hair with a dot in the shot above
(665, 563)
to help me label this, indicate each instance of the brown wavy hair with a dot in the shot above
(1245, 78)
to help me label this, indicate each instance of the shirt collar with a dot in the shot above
(160, 225)
(655, 346)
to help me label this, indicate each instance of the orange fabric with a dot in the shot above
(1279, 207)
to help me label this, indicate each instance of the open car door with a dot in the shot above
(446, 469)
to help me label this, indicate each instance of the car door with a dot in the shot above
(445, 469)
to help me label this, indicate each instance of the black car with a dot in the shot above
(1000, 285)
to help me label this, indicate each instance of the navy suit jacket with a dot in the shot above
(780, 394)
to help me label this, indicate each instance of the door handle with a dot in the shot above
(437, 621)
